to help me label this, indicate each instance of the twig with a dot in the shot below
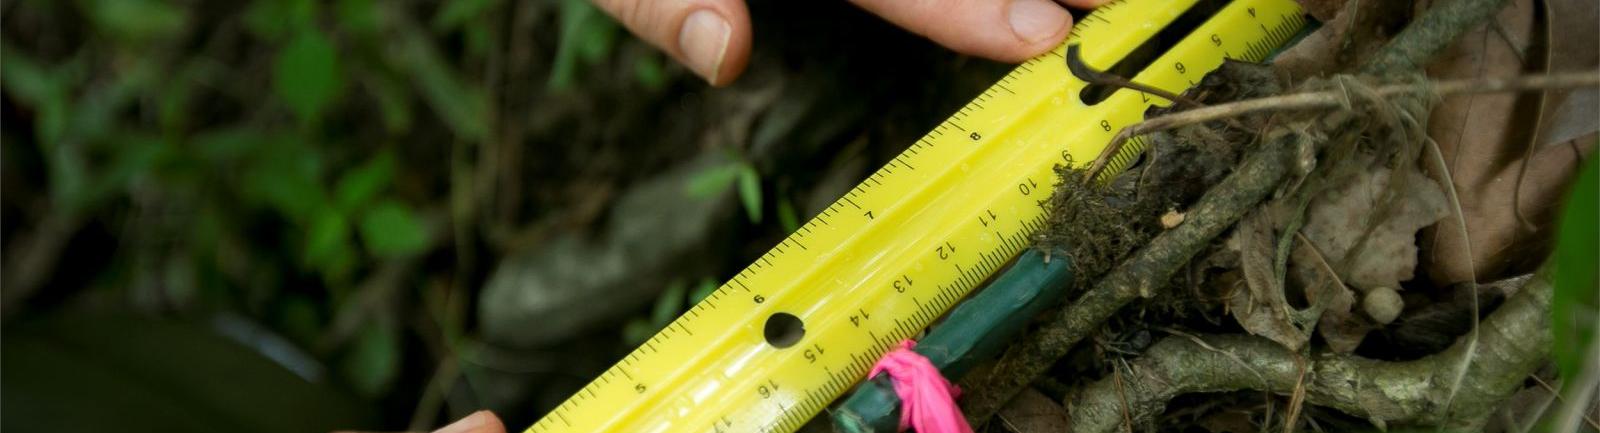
(1546, 385)
(1472, 272)
(1207, 346)
(1333, 99)
(1539, 109)
(1567, 416)
(1297, 399)
(1127, 414)
(1429, 34)
(1357, 386)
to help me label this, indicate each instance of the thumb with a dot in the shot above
(479, 422)
(711, 37)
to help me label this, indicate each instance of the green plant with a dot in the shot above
(740, 174)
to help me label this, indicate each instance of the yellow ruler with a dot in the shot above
(772, 347)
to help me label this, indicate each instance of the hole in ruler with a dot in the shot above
(783, 330)
(1146, 53)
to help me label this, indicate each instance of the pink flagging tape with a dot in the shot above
(927, 399)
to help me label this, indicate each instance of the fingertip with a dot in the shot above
(714, 41)
(492, 423)
(736, 55)
(1039, 25)
(482, 421)
(710, 37)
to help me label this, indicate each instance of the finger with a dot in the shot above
(479, 422)
(1008, 30)
(711, 37)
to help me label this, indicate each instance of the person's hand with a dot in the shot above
(712, 37)
(479, 422)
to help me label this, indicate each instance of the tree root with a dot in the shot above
(1514, 342)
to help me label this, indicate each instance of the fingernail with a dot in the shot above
(703, 41)
(464, 425)
(1037, 20)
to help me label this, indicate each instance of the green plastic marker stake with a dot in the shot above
(975, 330)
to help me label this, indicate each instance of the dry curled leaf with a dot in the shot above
(1486, 139)
(1264, 309)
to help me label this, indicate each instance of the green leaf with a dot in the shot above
(41, 87)
(587, 36)
(306, 76)
(637, 330)
(457, 13)
(702, 290)
(394, 101)
(287, 176)
(1577, 280)
(668, 305)
(273, 20)
(787, 217)
(137, 20)
(390, 229)
(326, 239)
(712, 181)
(361, 184)
(358, 16)
(373, 360)
(226, 145)
(461, 106)
(648, 72)
(750, 192)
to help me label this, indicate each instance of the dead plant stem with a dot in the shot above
(1334, 99)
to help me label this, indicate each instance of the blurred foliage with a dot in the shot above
(262, 157)
(1577, 280)
(311, 192)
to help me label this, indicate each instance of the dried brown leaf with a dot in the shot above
(1263, 309)
(1486, 138)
